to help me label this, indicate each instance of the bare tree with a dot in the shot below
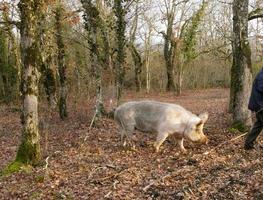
(185, 44)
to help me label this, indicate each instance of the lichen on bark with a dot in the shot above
(29, 150)
(241, 72)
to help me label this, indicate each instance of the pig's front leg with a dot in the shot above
(160, 139)
(181, 144)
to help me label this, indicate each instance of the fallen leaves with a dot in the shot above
(100, 168)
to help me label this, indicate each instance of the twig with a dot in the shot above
(108, 194)
(91, 123)
(149, 185)
(94, 170)
(111, 166)
(111, 176)
(154, 182)
(115, 183)
(223, 143)
(98, 168)
(46, 166)
(93, 119)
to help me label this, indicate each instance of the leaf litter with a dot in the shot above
(99, 168)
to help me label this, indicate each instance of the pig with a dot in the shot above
(162, 118)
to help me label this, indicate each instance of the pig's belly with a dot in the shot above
(146, 126)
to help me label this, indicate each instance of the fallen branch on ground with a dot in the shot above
(223, 143)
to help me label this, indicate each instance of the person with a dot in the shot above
(255, 105)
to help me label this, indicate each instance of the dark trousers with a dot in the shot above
(256, 129)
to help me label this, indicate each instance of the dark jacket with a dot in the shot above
(256, 98)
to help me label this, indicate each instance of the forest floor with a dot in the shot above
(100, 168)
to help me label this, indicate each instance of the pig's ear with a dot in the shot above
(203, 117)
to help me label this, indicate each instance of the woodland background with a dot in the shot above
(65, 66)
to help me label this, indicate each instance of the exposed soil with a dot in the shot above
(101, 169)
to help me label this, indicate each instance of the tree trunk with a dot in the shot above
(120, 40)
(61, 64)
(179, 79)
(92, 26)
(169, 53)
(50, 86)
(96, 65)
(148, 75)
(137, 67)
(147, 60)
(29, 149)
(170, 77)
(137, 60)
(241, 72)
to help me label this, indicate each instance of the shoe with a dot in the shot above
(249, 146)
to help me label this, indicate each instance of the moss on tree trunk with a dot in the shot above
(61, 63)
(137, 66)
(29, 150)
(120, 13)
(169, 50)
(241, 72)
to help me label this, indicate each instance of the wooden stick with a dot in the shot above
(154, 182)
(233, 139)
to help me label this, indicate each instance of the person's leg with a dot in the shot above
(254, 132)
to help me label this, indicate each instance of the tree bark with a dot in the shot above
(241, 72)
(148, 74)
(147, 60)
(137, 60)
(50, 85)
(92, 26)
(61, 63)
(29, 149)
(169, 48)
(120, 40)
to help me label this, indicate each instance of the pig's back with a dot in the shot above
(149, 115)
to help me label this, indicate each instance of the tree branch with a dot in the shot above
(257, 13)
(16, 23)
